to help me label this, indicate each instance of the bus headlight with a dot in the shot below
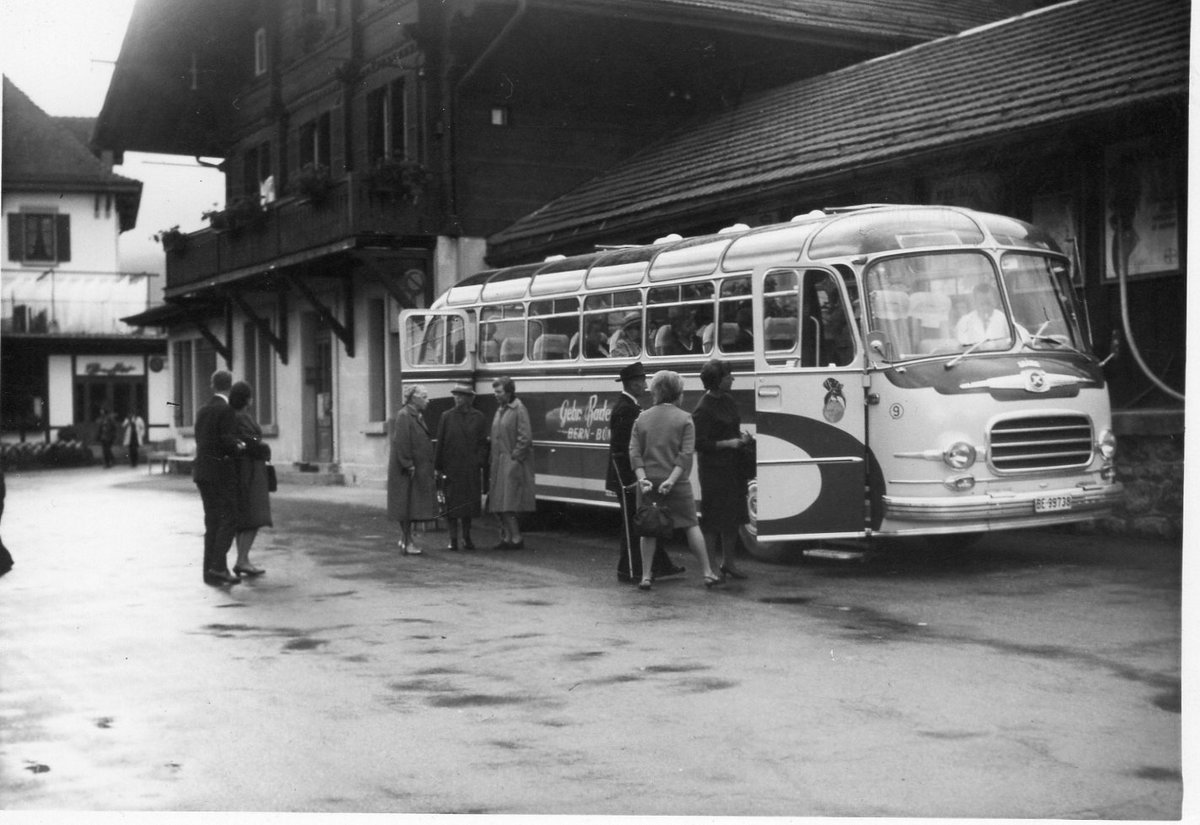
(959, 455)
(1106, 445)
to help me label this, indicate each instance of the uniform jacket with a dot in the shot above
(216, 442)
(620, 425)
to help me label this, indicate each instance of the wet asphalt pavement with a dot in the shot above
(1034, 675)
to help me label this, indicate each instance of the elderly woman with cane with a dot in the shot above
(412, 489)
(461, 458)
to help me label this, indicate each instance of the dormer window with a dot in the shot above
(260, 53)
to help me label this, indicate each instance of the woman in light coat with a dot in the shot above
(661, 449)
(412, 488)
(512, 489)
(135, 435)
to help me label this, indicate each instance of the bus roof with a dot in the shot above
(821, 235)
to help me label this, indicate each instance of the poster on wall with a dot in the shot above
(1141, 202)
(1055, 213)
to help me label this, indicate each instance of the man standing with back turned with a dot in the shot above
(622, 481)
(215, 473)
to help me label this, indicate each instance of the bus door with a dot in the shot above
(809, 411)
(436, 340)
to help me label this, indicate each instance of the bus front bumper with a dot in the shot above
(1000, 509)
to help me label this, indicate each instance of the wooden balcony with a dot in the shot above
(294, 226)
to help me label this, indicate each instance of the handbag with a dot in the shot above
(652, 519)
(272, 480)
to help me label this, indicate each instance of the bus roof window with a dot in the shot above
(508, 284)
(698, 257)
(768, 245)
(563, 275)
(467, 290)
(872, 231)
(1012, 232)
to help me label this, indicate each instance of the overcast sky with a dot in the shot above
(61, 53)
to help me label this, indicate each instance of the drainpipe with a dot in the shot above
(451, 99)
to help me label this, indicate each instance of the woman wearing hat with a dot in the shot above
(461, 458)
(412, 490)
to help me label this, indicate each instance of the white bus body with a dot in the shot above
(881, 406)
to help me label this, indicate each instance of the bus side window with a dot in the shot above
(502, 333)
(553, 323)
(677, 316)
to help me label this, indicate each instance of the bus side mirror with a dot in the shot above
(1114, 348)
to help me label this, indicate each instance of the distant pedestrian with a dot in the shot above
(135, 435)
(512, 488)
(215, 474)
(661, 451)
(254, 497)
(6, 559)
(621, 480)
(461, 458)
(106, 432)
(412, 488)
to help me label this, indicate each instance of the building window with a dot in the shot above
(194, 363)
(257, 180)
(314, 142)
(377, 341)
(260, 53)
(386, 122)
(39, 237)
(260, 374)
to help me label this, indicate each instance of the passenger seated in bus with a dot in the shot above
(743, 337)
(550, 347)
(596, 343)
(626, 342)
(678, 336)
(984, 322)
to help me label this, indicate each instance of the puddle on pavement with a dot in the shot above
(585, 655)
(706, 685)
(105, 722)
(786, 599)
(1158, 774)
(674, 668)
(473, 700)
(305, 644)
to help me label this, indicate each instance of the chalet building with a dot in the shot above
(371, 148)
(1073, 116)
(66, 352)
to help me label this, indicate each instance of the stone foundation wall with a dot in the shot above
(1150, 465)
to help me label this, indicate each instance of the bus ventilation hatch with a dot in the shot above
(1043, 442)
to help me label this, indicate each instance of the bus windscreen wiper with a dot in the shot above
(953, 362)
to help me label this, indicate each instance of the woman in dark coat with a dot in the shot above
(461, 457)
(412, 489)
(719, 441)
(254, 499)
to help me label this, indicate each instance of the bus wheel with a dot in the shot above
(951, 542)
(748, 533)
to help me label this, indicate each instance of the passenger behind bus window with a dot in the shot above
(678, 336)
(626, 342)
(596, 343)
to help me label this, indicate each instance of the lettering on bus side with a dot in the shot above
(582, 418)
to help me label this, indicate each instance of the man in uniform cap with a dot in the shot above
(622, 481)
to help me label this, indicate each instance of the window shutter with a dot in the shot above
(62, 231)
(15, 240)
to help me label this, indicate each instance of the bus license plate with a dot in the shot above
(1049, 504)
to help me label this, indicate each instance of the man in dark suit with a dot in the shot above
(215, 473)
(622, 481)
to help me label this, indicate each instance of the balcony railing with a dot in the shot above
(294, 225)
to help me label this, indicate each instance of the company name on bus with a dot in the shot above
(588, 421)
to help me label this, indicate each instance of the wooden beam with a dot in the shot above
(222, 349)
(345, 334)
(262, 325)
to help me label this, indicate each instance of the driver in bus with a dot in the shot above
(985, 321)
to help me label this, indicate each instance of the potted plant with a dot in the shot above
(239, 213)
(172, 239)
(405, 179)
(314, 182)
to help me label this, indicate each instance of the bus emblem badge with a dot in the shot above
(1035, 381)
(835, 401)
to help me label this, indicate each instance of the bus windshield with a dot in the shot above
(949, 303)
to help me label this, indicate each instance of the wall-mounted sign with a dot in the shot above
(110, 366)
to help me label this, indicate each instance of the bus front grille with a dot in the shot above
(1043, 442)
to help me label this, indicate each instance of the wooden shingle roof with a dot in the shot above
(1068, 61)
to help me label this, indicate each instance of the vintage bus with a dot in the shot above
(906, 370)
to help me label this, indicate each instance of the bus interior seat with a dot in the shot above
(512, 349)
(729, 334)
(550, 347)
(780, 333)
(491, 350)
(573, 346)
(930, 313)
(660, 339)
(706, 333)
